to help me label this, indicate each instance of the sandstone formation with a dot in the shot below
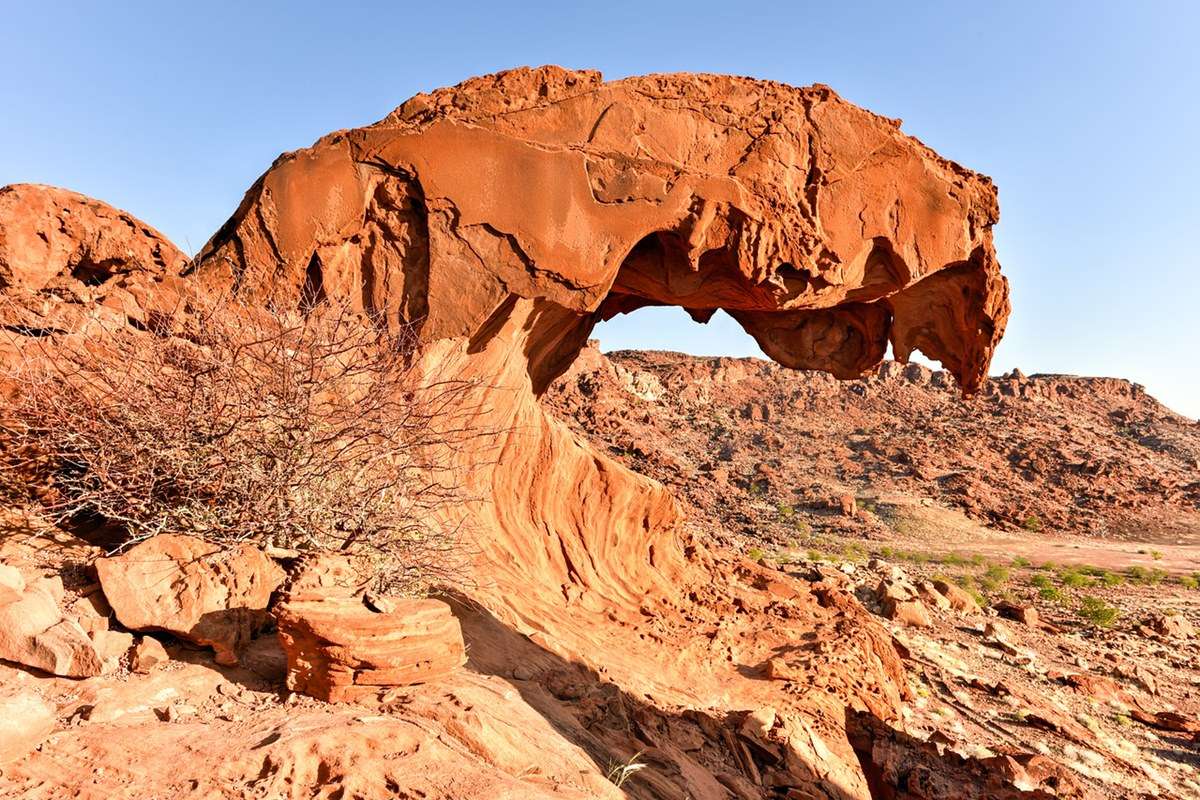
(210, 595)
(504, 217)
(501, 220)
(340, 650)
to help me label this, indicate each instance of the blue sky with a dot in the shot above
(1087, 115)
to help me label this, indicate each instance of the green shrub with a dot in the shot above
(1021, 561)
(785, 511)
(755, 553)
(1188, 582)
(993, 577)
(1040, 582)
(1050, 593)
(1032, 523)
(1143, 575)
(1098, 612)
(1074, 579)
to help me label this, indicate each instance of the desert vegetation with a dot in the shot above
(313, 432)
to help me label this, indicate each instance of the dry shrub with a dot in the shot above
(313, 432)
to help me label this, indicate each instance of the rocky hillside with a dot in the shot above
(1043, 453)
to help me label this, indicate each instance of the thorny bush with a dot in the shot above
(313, 432)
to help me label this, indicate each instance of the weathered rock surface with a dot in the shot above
(148, 654)
(503, 218)
(185, 586)
(340, 650)
(25, 721)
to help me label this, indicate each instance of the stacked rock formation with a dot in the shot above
(343, 646)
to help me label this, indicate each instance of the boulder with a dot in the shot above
(1171, 626)
(960, 600)
(34, 633)
(148, 654)
(1019, 613)
(909, 613)
(204, 593)
(339, 650)
(51, 235)
(111, 646)
(25, 721)
(930, 594)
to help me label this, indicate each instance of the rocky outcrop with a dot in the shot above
(501, 220)
(52, 237)
(207, 594)
(339, 649)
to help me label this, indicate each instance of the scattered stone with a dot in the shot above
(193, 589)
(1171, 626)
(1167, 721)
(1019, 613)
(931, 595)
(960, 600)
(338, 650)
(848, 505)
(895, 589)
(111, 646)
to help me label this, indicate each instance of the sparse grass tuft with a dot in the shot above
(1021, 561)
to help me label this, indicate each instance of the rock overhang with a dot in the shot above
(819, 226)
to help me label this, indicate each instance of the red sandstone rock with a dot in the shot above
(959, 599)
(148, 654)
(504, 218)
(910, 613)
(1020, 613)
(33, 631)
(340, 650)
(1172, 626)
(212, 596)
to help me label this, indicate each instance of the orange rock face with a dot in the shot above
(502, 219)
(193, 589)
(50, 236)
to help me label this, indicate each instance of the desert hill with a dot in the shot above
(1055, 454)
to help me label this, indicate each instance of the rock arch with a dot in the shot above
(505, 216)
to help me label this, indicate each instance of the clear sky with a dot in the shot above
(1086, 114)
